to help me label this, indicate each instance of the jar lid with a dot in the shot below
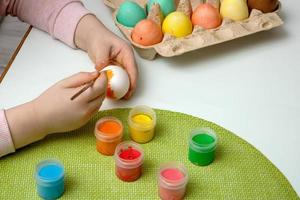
(173, 175)
(129, 155)
(108, 128)
(49, 172)
(203, 140)
(142, 118)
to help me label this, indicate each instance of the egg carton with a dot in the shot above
(200, 38)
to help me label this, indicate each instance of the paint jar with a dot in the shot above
(172, 181)
(109, 133)
(129, 158)
(49, 177)
(202, 146)
(142, 121)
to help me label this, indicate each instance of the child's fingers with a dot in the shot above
(126, 58)
(95, 104)
(79, 79)
(97, 89)
(100, 65)
(102, 60)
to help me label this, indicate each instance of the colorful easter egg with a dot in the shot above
(263, 5)
(147, 33)
(167, 6)
(177, 24)
(236, 10)
(206, 16)
(130, 13)
(118, 81)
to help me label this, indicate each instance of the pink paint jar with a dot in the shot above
(129, 158)
(172, 181)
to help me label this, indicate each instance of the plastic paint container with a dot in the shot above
(172, 181)
(109, 133)
(202, 146)
(49, 177)
(129, 158)
(142, 121)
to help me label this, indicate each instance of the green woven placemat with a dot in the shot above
(239, 171)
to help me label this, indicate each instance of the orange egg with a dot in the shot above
(147, 33)
(206, 16)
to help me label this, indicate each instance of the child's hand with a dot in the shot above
(103, 46)
(53, 111)
(59, 114)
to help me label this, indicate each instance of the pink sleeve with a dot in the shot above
(57, 17)
(6, 143)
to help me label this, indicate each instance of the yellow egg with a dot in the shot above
(177, 24)
(236, 10)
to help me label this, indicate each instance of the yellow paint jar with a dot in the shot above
(142, 121)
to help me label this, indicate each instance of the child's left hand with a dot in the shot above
(103, 46)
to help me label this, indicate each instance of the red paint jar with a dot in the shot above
(129, 158)
(172, 181)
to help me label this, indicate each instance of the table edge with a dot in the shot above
(12, 58)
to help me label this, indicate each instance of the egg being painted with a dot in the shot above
(130, 13)
(118, 81)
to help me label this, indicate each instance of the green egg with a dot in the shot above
(130, 13)
(167, 6)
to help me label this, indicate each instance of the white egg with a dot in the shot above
(118, 81)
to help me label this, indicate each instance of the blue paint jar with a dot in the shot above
(50, 177)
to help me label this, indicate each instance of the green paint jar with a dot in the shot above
(202, 146)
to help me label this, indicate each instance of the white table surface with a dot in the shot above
(249, 86)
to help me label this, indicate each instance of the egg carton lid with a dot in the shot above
(200, 38)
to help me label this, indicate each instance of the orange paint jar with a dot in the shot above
(109, 133)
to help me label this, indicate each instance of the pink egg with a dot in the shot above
(206, 16)
(147, 33)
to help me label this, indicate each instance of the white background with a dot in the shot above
(249, 86)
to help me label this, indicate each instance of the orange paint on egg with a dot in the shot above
(206, 16)
(109, 74)
(109, 91)
(147, 33)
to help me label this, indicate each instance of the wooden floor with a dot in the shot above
(11, 33)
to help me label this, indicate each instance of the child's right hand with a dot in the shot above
(59, 114)
(53, 111)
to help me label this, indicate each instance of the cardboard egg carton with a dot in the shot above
(200, 38)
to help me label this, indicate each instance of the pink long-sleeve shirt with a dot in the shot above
(57, 17)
